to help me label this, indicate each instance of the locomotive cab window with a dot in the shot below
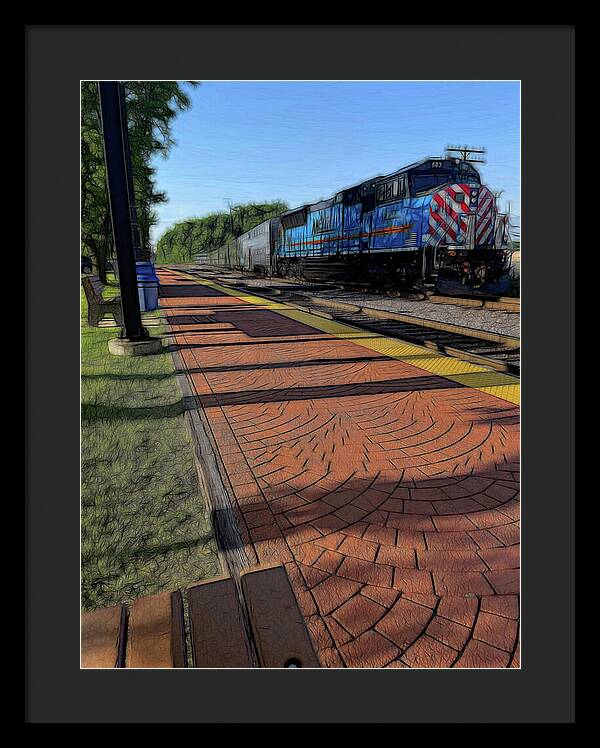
(395, 189)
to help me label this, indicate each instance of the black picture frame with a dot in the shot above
(57, 58)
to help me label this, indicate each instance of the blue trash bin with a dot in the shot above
(144, 268)
(147, 281)
(151, 295)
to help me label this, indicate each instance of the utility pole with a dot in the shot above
(134, 337)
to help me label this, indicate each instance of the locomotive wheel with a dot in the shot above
(283, 269)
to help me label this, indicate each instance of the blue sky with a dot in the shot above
(303, 141)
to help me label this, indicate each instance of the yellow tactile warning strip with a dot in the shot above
(494, 383)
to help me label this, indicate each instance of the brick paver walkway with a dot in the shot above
(390, 493)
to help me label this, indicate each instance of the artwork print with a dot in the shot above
(300, 374)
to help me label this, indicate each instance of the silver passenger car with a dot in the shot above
(257, 247)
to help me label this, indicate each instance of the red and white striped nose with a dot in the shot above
(486, 211)
(462, 214)
(450, 212)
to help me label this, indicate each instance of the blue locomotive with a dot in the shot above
(431, 222)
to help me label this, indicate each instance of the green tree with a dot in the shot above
(151, 107)
(193, 237)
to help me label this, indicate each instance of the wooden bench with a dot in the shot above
(98, 306)
(255, 623)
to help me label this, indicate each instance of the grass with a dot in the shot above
(144, 523)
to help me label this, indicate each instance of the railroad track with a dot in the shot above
(498, 352)
(500, 304)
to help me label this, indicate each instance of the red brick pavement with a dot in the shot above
(390, 494)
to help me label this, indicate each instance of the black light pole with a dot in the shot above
(135, 229)
(111, 102)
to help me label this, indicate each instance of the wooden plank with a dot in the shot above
(156, 638)
(103, 637)
(279, 630)
(219, 638)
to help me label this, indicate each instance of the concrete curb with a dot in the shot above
(234, 553)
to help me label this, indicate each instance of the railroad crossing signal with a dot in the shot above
(465, 153)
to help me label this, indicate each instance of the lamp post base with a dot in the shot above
(125, 347)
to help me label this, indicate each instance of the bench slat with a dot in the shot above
(178, 631)
(103, 637)
(277, 624)
(156, 636)
(94, 288)
(219, 637)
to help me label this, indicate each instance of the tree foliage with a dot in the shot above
(151, 107)
(188, 239)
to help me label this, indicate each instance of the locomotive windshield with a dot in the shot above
(426, 182)
(437, 173)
